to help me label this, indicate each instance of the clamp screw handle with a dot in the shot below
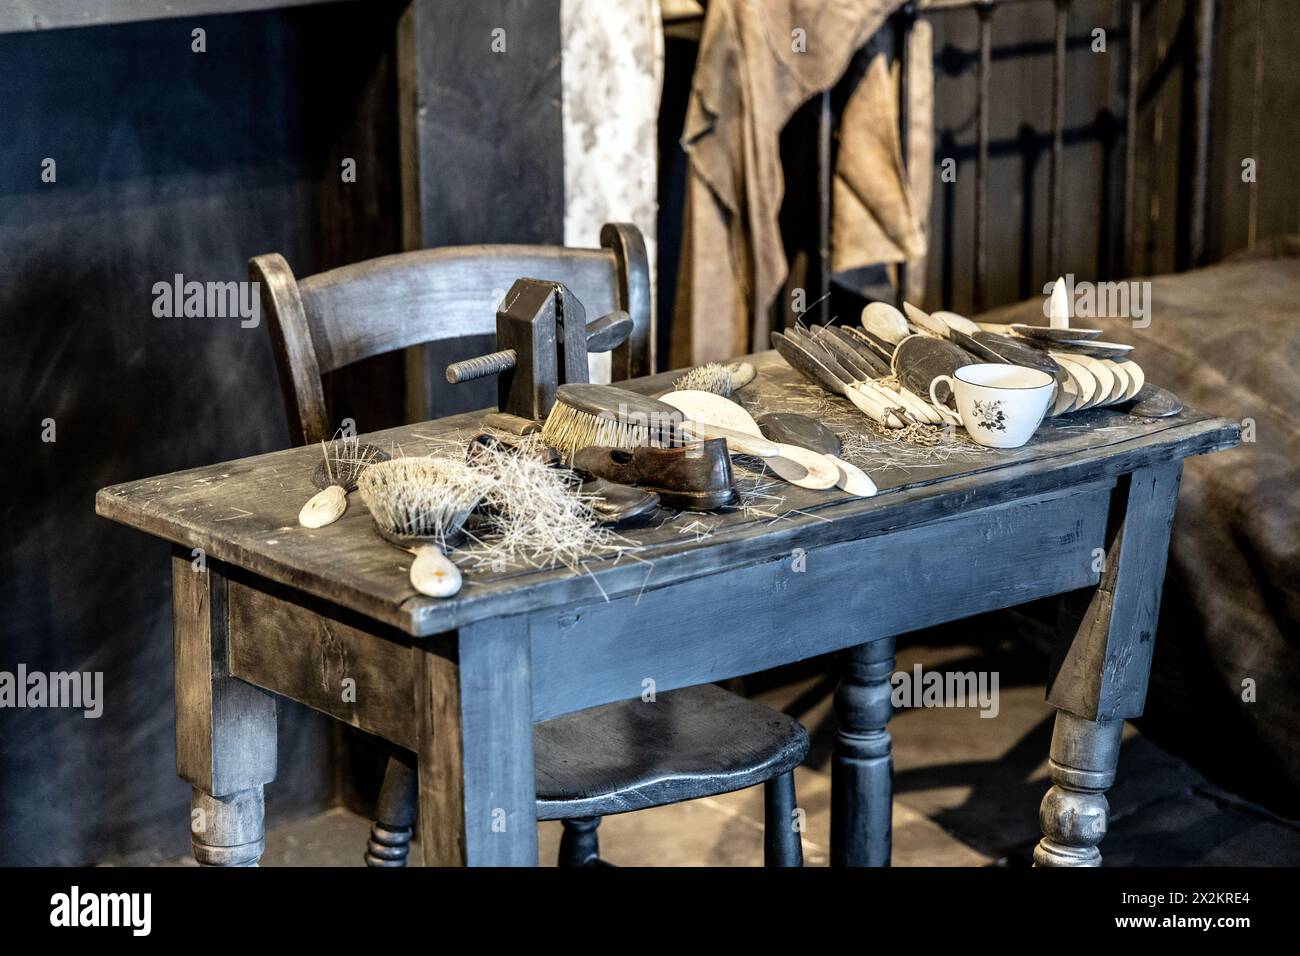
(494, 363)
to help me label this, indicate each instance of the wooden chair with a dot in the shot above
(689, 743)
(333, 319)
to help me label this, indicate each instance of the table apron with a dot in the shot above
(816, 601)
(709, 628)
(354, 669)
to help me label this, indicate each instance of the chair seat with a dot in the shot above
(634, 754)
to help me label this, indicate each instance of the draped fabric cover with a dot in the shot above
(759, 61)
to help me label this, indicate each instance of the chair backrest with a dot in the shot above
(332, 319)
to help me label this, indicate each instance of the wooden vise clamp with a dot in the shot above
(543, 339)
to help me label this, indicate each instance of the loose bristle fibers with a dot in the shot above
(533, 515)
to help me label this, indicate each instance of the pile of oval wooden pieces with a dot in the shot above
(1089, 373)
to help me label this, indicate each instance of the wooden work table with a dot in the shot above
(1084, 510)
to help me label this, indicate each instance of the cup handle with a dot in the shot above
(952, 386)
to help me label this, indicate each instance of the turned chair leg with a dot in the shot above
(390, 834)
(580, 844)
(782, 843)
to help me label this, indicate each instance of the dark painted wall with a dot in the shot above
(491, 167)
(1020, 87)
(482, 162)
(1256, 90)
(168, 161)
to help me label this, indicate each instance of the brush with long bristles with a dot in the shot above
(602, 415)
(343, 461)
(421, 505)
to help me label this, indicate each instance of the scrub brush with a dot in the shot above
(336, 476)
(724, 380)
(420, 505)
(585, 415)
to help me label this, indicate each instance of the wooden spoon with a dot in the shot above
(822, 369)
(927, 323)
(796, 465)
(1121, 381)
(324, 507)
(1048, 334)
(1094, 348)
(1156, 402)
(794, 429)
(955, 321)
(1137, 378)
(432, 573)
(885, 322)
(1082, 383)
(1105, 379)
(920, 359)
(1067, 394)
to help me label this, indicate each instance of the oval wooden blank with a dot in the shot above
(1084, 382)
(1137, 378)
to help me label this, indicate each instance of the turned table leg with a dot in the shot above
(1101, 665)
(862, 769)
(225, 728)
(580, 842)
(227, 831)
(1074, 812)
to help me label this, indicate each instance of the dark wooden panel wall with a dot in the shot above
(1020, 139)
(1020, 130)
(1255, 82)
(168, 161)
(1256, 79)
(1255, 116)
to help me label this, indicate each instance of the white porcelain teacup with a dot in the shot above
(1000, 405)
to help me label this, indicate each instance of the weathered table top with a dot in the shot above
(245, 512)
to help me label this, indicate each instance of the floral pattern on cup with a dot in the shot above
(990, 415)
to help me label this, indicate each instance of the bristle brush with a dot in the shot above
(344, 459)
(420, 505)
(586, 415)
(724, 380)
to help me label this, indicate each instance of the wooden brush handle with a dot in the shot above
(738, 443)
